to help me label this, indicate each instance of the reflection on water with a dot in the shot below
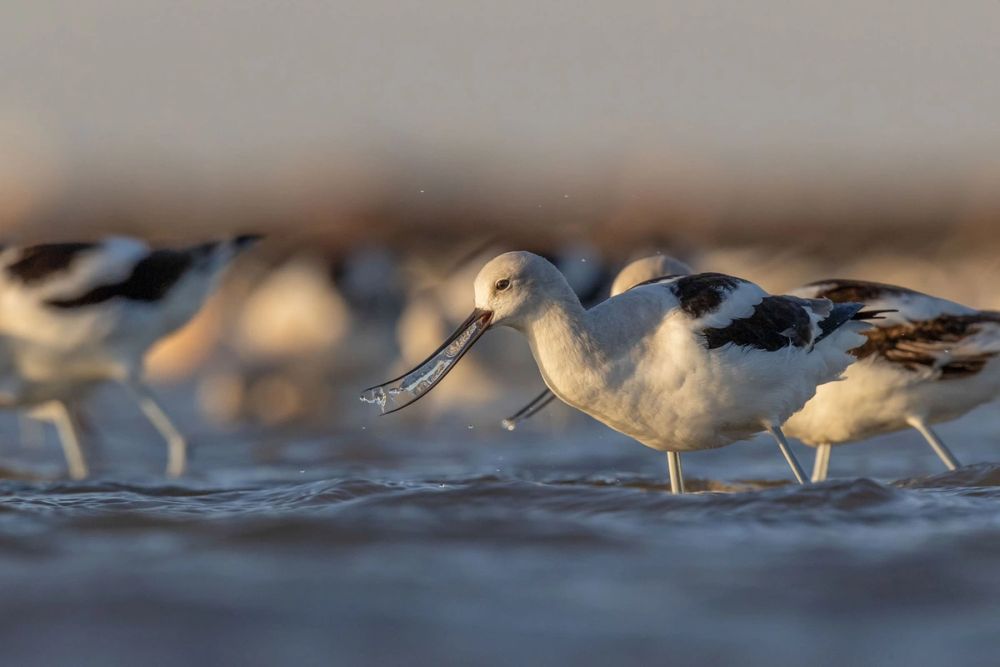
(478, 546)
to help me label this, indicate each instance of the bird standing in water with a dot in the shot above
(680, 364)
(79, 314)
(929, 360)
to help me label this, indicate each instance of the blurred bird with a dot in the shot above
(929, 360)
(79, 314)
(683, 363)
(648, 268)
(304, 325)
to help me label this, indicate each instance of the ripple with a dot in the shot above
(973, 476)
(80, 499)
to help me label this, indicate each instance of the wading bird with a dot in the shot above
(929, 360)
(680, 364)
(78, 314)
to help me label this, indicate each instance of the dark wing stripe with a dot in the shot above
(698, 293)
(150, 280)
(841, 313)
(873, 314)
(853, 291)
(912, 345)
(776, 322)
(36, 263)
(703, 293)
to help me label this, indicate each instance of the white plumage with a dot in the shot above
(928, 360)
(436, 305)
(638, 271)
(77, 314)
(681, 364)
(648, 268)
(674, 393)
(932, 360)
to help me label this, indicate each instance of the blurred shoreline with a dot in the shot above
(342, 204)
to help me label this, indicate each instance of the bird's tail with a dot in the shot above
(841, 313)
(868, 315)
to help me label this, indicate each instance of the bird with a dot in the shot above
(79, 314)
(648, 268)
(273, 365)
(435, 306)
(298, 326)
(679, 364)
(928, 361)
(637, 271)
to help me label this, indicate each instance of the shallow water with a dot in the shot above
(476, 546)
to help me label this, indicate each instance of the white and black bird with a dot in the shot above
(78, 314)
(436, 305)
(680, 364)
(929, 360)
(637, 271)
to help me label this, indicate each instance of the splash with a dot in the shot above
(376, 396)
(407, 389)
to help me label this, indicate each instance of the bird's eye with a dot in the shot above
(502, 284)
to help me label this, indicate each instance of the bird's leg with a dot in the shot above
(793, 463)
(821, 465)
(934, 441)
(676, 473)
(60, 415)
(176, 443)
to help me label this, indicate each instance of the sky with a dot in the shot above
(229, 82)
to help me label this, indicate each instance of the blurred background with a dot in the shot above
(388, 149)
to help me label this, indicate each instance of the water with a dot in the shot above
(455, 546)
(403, 391)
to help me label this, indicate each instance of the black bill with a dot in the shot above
(537, 405)
(397, 394)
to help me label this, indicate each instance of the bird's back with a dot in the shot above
(34, 280)
(931, 337)
(925, 357)
(707, 359)
(89, 305)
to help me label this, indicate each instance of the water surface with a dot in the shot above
(457, 545)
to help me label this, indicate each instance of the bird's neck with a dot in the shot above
(564, 348)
